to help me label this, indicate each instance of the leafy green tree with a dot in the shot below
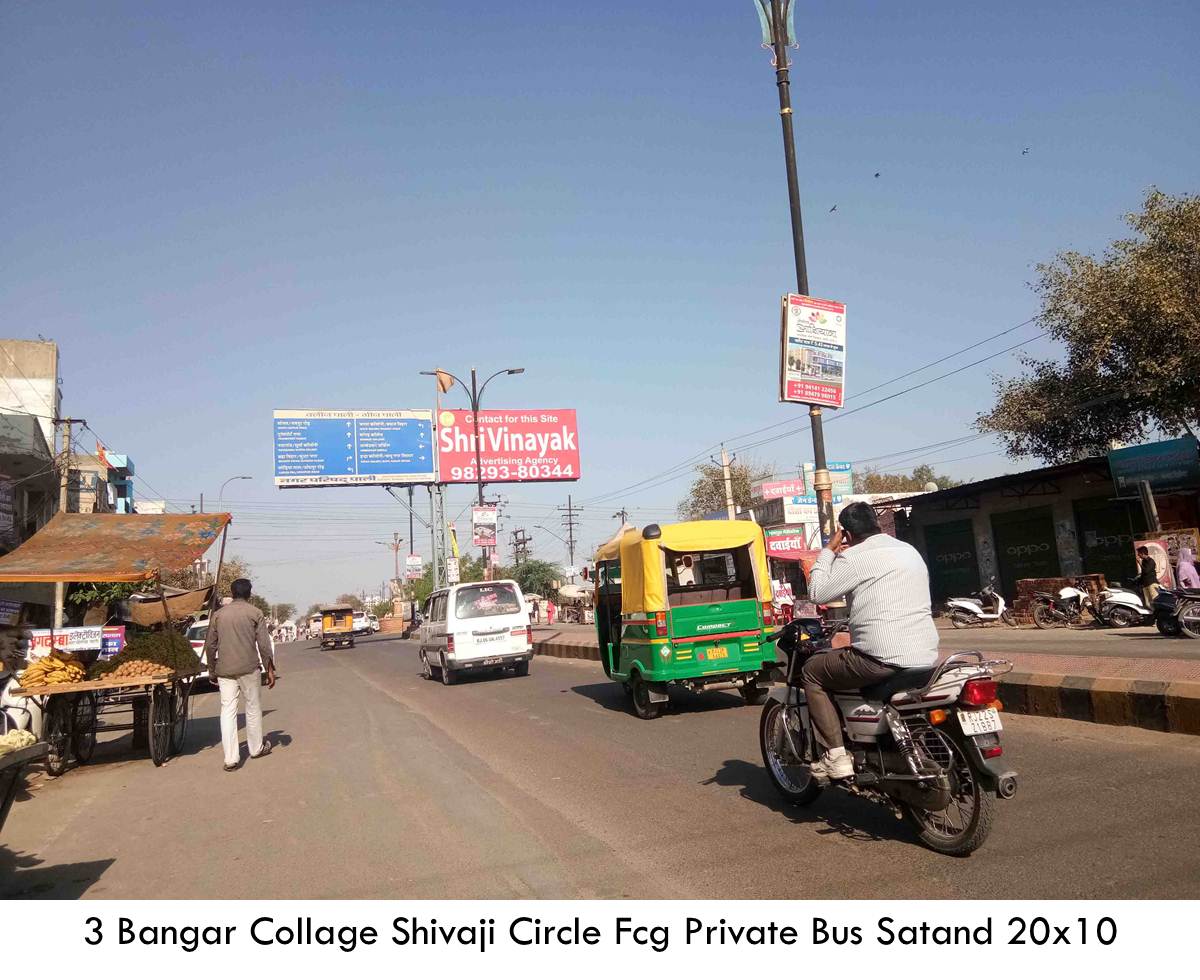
(313, 610)
(1129, 324)
(874, 481)
(707, 493)
(349, 599)
(283, 611)
(382, 608)
(232, 568)
(535, 576)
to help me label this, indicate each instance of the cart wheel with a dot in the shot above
(56, 731)
(180, 705)
(160, 723)
(83, 730)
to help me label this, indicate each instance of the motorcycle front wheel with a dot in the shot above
(1043, 617)
(791, 776)
(1189, 619)
(966, 823)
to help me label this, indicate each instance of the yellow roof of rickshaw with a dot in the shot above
(336, 609)
(643, 569)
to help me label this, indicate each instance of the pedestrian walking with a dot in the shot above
(537, 611)
(549, 612)
(237, 648)
(1185, 572)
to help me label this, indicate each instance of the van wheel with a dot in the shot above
(646, 709)
(426, 666)
(522, 669)
(448, 675)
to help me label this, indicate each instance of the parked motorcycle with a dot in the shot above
(1064, 609)
(985, 606)
(1121, 607)
(1177, 612)
(925, 742)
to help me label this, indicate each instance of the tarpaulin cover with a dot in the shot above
(111, 547)
(149, 612)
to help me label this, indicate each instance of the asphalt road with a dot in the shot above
(385, 785)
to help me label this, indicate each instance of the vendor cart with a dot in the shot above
(72, 715)
(12, 774)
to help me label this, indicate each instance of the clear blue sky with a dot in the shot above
(219, 209)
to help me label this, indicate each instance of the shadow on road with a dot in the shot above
(26, 876)
(613, 697)
(840, 812)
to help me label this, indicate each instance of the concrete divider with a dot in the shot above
(1164, 706)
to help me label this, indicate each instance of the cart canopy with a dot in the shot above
(111, 547)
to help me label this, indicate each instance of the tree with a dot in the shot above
(382, 608)
(535, 576)
(261, 604)
(873, 481)
(281, 612)
(349, 599)
(313, 610)
(1130, 326)
(707, 493)
(232, 568)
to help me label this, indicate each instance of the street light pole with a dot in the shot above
(776, 20)
(221, 495)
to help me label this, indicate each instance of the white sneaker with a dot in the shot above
(835, 764)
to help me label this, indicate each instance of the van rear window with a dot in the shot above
(486, 599)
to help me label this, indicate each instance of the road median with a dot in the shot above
(1158, 694)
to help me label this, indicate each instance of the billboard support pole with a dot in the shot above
(822, 483)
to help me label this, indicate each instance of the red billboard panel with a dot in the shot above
(515, 445)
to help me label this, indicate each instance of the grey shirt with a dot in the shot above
(886, 585)
(238, 640)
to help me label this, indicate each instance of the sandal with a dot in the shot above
(265, 750)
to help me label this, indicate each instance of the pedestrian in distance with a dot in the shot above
(237, 649)
(549, 612)
(1147, 575)
(537, 611)
(1185, 571)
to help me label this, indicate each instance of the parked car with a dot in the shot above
(374, 621)
(362, 624)
(474, 627)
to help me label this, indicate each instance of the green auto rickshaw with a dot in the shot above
(686, 604)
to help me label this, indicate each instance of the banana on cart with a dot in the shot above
(57, 667)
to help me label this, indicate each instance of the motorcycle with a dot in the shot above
(1121, 607)
(1177, 612)
(925, 742)
(985, 606)
(1064, 609)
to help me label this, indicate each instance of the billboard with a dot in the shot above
(414, 567)
(1170, 465)
(316, 448)
(515, 445)
(774, 489)
(803, 510)
(483, 527)
(842, 475)
(812, 357)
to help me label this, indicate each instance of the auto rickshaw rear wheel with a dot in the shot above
(646, 709)
(753, 694)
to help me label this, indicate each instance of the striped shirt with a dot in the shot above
(886, 585)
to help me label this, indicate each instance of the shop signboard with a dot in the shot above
(775, 489)
(414, 567)
(812, 358)
(70, 638)
(842, 475)
(1170, 465)
(803, 509)
(452, 571)
(788, 543)
(10, 612)
(112, 642)
(483, 527)
(515, 445)
(317, 448)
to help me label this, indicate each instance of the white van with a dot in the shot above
(475, 626)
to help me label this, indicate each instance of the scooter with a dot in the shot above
(985, 606)
(1122, 607)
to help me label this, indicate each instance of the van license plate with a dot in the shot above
(717, 653)
(491, 660)
(980, 722)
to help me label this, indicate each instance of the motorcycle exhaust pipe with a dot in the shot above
(1007, 787)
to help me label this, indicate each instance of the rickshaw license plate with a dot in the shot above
(980, 722)
(717, 653)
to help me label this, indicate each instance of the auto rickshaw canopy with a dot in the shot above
(643, 559)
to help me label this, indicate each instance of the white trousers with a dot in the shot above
(249, 686)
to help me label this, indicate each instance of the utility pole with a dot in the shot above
(64, 502)
(776, 20)
(412, 541)
(623, 514)
(520, 546)
(570, 521)
(726, 460)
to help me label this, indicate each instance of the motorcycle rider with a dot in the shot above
(886, 586)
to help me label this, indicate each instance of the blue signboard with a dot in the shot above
(315, 448)
(1170, 465)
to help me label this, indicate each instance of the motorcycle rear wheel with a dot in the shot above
(961, 620)
(790, 776)
(1188, 618)
(1167, 625)
(1043, 617)
(1122, 617)
(966, 823)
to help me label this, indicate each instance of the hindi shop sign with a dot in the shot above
(69, 638)
(515, 445)
(788, 543)
(315, 448)
(775, 489)
(803, 510)
(812, 359)
(840, 474)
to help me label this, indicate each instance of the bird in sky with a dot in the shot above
(876, 173)
(832, 209)
(1025, 152)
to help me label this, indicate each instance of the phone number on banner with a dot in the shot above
(532, 471)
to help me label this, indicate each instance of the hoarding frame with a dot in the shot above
(830, 350)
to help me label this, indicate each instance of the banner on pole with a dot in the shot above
(414, 566)
(812, 359)
(483, 527)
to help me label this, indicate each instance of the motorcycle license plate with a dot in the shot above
(980, 722)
